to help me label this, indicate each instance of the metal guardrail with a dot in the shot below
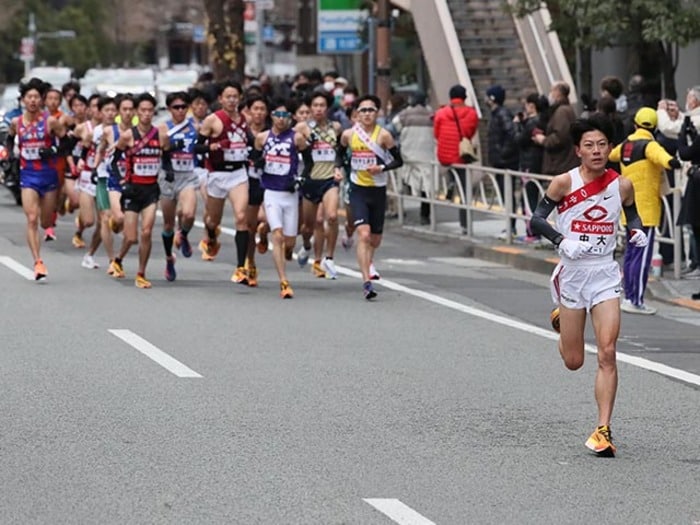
(482, 194)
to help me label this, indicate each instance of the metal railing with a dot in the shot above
(483, 194)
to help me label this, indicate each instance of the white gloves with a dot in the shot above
(638, 238)
(574, 249)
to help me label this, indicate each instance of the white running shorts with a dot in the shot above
(282, 211)
(183, 180)
(85, 183)
(584, 286)
(220, 183)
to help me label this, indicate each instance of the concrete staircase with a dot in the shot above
(492, 49)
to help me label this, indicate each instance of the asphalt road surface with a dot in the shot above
(445, 401)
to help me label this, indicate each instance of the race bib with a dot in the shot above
(183, 161)
(323, 152)
(361, 160)
(30, 149)
(277, 165)
(77, 150)
(238, 152)
(147, 167)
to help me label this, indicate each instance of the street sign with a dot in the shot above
(26, 49)
(198, 34)
(265, 5)
(339, 24)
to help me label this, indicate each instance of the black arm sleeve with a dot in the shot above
(634, 221)
(10, 143)
(397, 162)
(340, 155)
(116, 157)
(201, 147)
(166, 160)
(308, 163)
(65, 145)
(539, 223)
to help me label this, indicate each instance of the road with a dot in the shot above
(442, 402)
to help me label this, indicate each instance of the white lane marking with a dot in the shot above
(398, 511)
(17, 267)
(640, 362)
(169, 363)
(405, 262)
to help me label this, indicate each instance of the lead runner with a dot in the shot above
(589, 200)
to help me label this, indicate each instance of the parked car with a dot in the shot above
(9, 99)
(171, 80)
(56, 76)
(127, 80)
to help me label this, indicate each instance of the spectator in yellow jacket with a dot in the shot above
(643, 161)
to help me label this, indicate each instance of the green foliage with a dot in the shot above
(91, 45)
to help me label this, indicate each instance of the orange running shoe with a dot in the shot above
(600, 442)
(286, 291)
(142, 282)
(252, 276)
(262, 238)
(317, 270)
(240, 276)
(40, 272)
(116, 270)
(554, 318)
(203, 248)
(78, 241)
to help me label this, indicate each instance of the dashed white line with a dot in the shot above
(156, 354)
(17, 267)
(399, 512)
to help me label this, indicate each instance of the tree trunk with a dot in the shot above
(670, 64)
(225, 38)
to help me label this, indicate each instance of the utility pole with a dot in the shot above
(383, 51)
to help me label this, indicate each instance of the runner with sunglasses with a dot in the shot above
(179, 186)
(276, 152)
(372, 153)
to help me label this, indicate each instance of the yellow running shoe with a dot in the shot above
(78, 241)
(116, 270)
(554, 318)
(317, 270)
(142, 282)
(240, 276)
(286, 291)
(252, 276)
(600, 442)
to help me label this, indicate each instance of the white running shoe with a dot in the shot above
(373, 273)
(627, 307)
(302, 256)
(329, 267)
(692, 274)
(89, 262)
(346, 241)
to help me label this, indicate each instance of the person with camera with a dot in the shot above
(689, 149)
(527, 123)
(453, 123)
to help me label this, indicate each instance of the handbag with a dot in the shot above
(467, 152)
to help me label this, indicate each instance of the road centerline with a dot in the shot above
(17, 267)
(398, 511)
(154, 353)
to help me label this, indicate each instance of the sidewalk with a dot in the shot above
(540, 258)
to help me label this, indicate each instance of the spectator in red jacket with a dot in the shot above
(451, 123)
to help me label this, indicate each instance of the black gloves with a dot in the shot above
(674, 163)
(169, 175)
(177, 145)
(47, 153)
(93, 176)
